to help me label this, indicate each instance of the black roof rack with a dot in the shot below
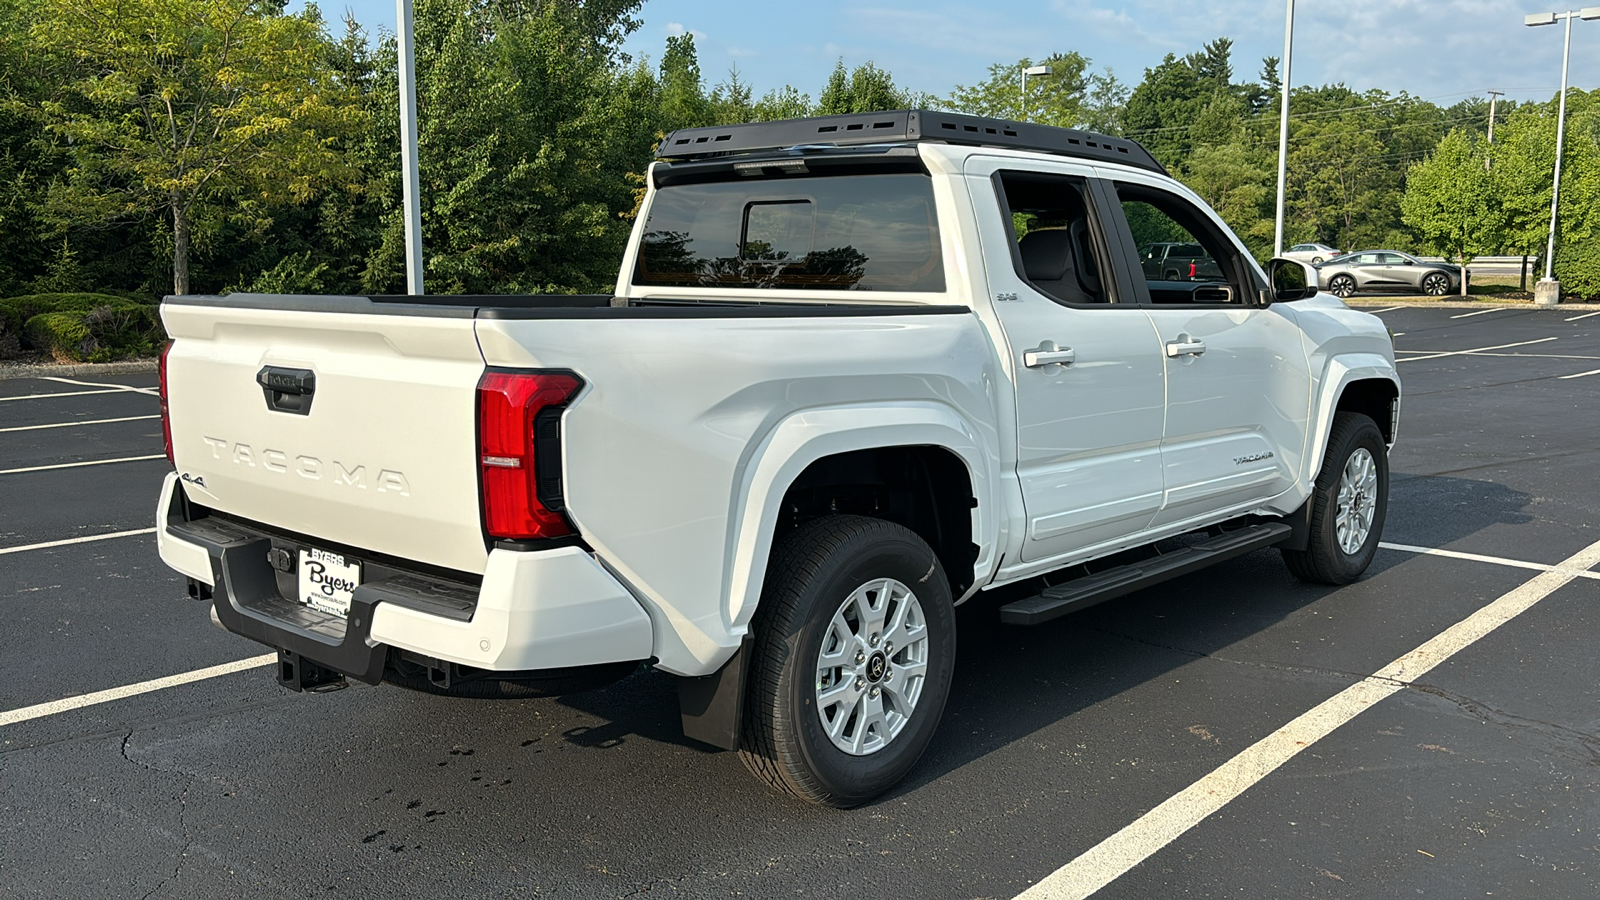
(901, 126)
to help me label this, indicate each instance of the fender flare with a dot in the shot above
(1340, 373)
(807, 436)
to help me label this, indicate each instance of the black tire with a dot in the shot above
(1325, 561)
(1342, 286)
(1436, 284)
(813, 571)
(1316, 260)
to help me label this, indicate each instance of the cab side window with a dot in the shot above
(1182, 256)
(1057, 251)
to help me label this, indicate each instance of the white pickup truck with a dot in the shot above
(857, 370)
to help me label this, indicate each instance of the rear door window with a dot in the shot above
(853, 232)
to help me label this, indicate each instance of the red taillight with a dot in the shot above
(166, 418)
(1191, 270)
(509, 426)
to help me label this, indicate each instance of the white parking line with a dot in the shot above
(92, 462)
(1385, 309)
(23, 714)
(1584, 316)
(1473, 350)
(84, 422)
(76, 540)
(1478, 557)
(1481, 312)
(121, 387)
(1113, 857)
(1581, 374)
(65, 394)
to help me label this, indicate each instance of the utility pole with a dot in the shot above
(1548, 291)
(1493, 96)
(1283, 130)
(410, 187)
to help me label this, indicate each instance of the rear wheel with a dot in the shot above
(1342, 286)
(1436, 284)
(1348, 504)
(1316, 260)
(854, 651)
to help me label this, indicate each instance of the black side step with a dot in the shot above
(1084, 592)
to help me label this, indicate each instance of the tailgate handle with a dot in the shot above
(287, 390)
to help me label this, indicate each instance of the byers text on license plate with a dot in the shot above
(327, 581)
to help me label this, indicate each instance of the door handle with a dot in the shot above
(1179, 348)
(1047, 356)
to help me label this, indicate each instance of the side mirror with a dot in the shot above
(1290, 280)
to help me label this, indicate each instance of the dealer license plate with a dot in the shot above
(327, 581)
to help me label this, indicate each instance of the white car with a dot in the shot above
(833, 396)
(1312, 253)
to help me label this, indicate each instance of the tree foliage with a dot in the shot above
(177, 107)
(227, 144)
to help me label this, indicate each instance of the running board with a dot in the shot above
(1084, 592)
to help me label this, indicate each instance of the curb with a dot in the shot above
(68, 370)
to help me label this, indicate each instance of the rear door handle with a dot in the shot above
(1036, 359)
(1179, 348)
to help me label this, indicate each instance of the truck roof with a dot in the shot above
(906, 126)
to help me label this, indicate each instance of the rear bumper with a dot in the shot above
(547, 609)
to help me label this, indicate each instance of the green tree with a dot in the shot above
(1060, 98)
(683, 96)
(175, 108)
(865, 89)
(529, 125)
(1524, 166)
(1450, 199)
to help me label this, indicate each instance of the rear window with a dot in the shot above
(853, 232)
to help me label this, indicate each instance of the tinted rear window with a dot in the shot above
(854, 232)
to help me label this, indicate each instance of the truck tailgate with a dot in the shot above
(382, 455)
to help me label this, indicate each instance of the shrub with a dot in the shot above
(62, 334)
(83, 327)
(1578, 267)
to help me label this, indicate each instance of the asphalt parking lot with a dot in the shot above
(1479, 778)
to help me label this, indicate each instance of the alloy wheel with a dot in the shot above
(872, 666)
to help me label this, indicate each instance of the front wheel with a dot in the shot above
(854, 652)
(1436, 284)
(1348, 504)
(1342, 286)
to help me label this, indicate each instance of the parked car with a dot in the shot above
(832, 396)
(1176, 261)
(1387, 270)
(1313, 253)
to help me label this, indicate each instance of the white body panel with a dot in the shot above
(388, 459)
(689, 430)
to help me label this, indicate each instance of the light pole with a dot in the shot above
(1035, 71)
(1283, 130)
(1548, 291)
(410, 185)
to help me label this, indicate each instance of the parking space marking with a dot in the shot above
(1116, 855)
(23, 714)
(121, 387)
(1481, 312)
(1387, 309)
(1464, 352)
(92, 462)
(1478, 557)
(84, 422)
(64, 394)
(1581, 374)
(1584, 316)
(77, 540)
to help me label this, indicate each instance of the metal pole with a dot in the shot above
(408, 148)
(1493, 96)
(1283, 129)
(1555, 189)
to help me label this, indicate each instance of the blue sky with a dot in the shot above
(1443, 50)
